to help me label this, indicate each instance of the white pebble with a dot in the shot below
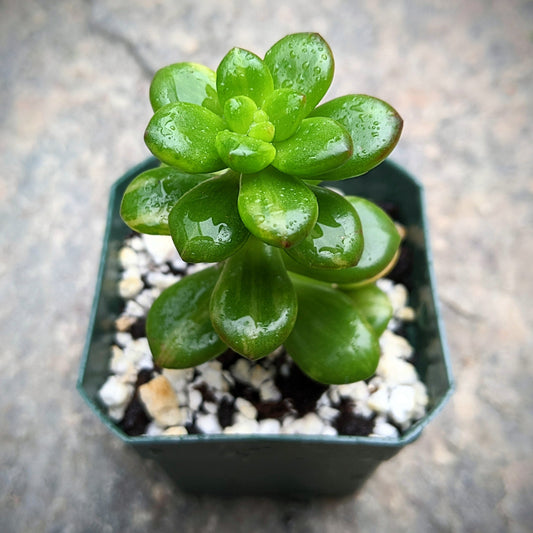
(129, 287)
(241, 370)
(161, 281)
(127, 257)
(175, 431)
(357, 391)
(114, 392)
(383, 429)
(195, 399)
(329, 430)
(178, 377)
(208, 424)
(136, 243)
(327, 413)
(407, 314)
(395, 345)
(117, 413)
(310, 424)
(268, 392)
(402, 404)
(242, 426)
(211, 374)
(211, 407)
(123, 338)
(178, 264)
(160, 247)
(197, 267)
(147, 297)
(134, 309)
(153, 430)
(334, 395)
(269, 426)
(246, 408)
(398, 297)
(258, 375)
(379, 401)
(138, 352)
(396, 371)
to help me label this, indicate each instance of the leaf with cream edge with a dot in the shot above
(183, 135)
(373, 304)
(150, 197)
(336, 241)
(178, 325)
(380, 251)
(304, 63)
(373, 125)
(185, 82)
(253, 306)
(278, 209)
(205, 224)
(243, 73)
(348, 352)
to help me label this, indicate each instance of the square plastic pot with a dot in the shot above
(294, 465)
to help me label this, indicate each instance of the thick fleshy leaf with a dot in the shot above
(243, 153)
(150, 197)
(205, 224)
(278, 209)
(183, 135)
(381, 242)
(374, 126)
(304, 63)
(373, 304)
(185, 82)
(253, 306)
(319, 145)
(239, 113)
(243, 73)
(178, 325)
(285, 109)
(330, 341)
(336, 241)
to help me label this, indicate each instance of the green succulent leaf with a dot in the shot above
(278, 209)
(243, 153)
(149, 198)
(253, 306)
(373, 304)
(336, 241)
(331, 342)
(183, 135)
(205, 224)
(178, 325)
(285, 109)
(185, 82)
(304, 63)
(381, 243)
(243, 73)
(239, 113)
(374, 126)
(319, 145)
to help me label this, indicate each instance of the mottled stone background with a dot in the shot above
(73, 96)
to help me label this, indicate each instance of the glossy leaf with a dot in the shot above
(150, 197)
(304, 63)
(178, 325)
(243, 73)
(278, 209)
(373, 304)
(319, 145)
(183, 135)
(205, 224)
(243, 153)
(374, 126)
(285, 109)
(239, 113)
(381, 242)
(330, 341)
(253, 306)
(336, 241)
(185, 82)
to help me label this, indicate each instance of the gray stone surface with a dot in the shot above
(73, 87)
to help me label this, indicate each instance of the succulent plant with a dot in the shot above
(246, 156)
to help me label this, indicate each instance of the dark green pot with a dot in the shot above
(293, 465)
